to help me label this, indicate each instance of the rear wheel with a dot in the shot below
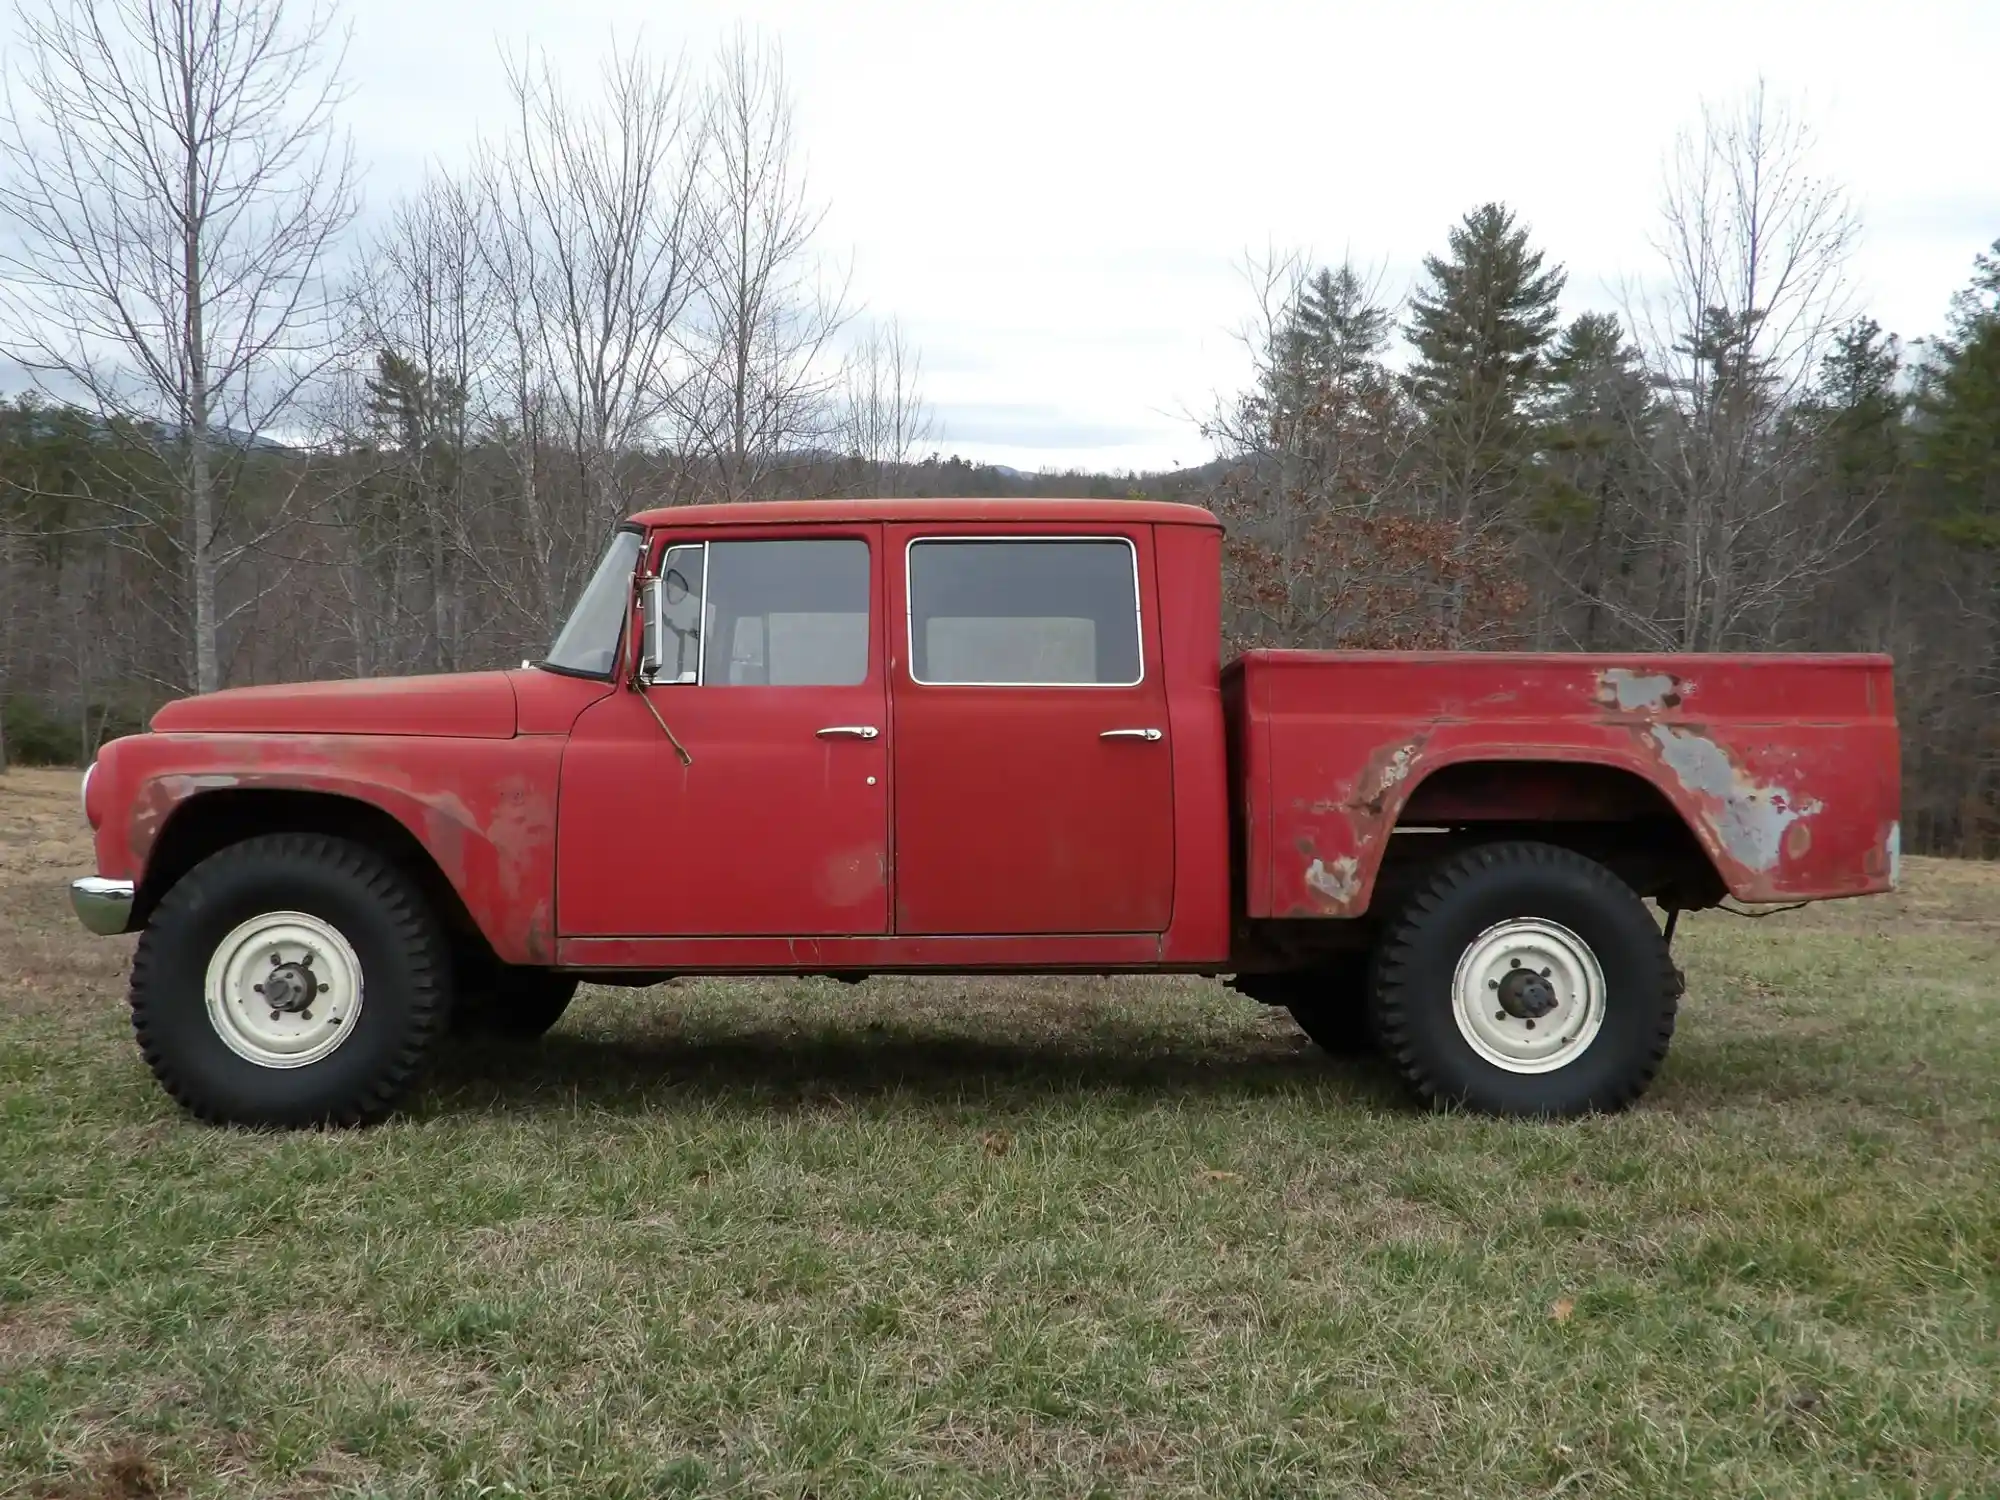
(1524, 979)
(293, 979)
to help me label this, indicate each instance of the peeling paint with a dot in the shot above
(1750, 819)
(1339, 882)
(1638, 692)
(1386, 770)
(1893, 847)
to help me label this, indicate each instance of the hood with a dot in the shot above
(465, 705)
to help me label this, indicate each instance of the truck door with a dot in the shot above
(780, 824)
(1034, 789)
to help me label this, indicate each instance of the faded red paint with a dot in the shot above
(1784, 767)
(992, 828)
(484, 808)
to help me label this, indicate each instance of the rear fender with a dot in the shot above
(1755, 821)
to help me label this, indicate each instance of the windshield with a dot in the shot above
(588, 643)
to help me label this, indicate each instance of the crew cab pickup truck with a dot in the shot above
(951, 736)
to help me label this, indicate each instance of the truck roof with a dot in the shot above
(995, 509)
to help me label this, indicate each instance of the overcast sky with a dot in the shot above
(1055, 199)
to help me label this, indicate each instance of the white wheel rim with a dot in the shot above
(283, 990)
(1528, 996)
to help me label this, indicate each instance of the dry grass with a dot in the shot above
(1006, 1237)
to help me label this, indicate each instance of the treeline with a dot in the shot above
(270, 446)
(1736, 461)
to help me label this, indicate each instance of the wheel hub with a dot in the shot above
(291, 988)
(284, 989)
(1528, 995)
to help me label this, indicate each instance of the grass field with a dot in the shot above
(998, 1238)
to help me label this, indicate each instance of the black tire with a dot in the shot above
(518, 1004)
(1464, 898)
(405, 982)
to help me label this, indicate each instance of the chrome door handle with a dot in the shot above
(1130, 734)
(851, 731)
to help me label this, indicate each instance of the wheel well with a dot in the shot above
(211, 821)
(1606, 813)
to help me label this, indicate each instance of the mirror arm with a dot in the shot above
(637, 681)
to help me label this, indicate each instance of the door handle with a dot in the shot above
(849, 731)
(1130, 734)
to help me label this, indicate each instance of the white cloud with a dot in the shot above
(1051, 196)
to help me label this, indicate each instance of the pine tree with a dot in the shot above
(1959, 406)
(1481, 326)
(1597, 426)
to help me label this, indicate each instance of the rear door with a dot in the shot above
(1033, 777)
(773, 682)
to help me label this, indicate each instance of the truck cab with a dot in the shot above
(958, 736)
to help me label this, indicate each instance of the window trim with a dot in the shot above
(909, 603)
(700, 609)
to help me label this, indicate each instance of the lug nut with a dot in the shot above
(274, 1015)
(258, 988)
(1499, 1015)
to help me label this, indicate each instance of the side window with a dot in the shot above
(1005, 613)
(789, 613)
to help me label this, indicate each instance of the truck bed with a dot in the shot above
(1785, 768)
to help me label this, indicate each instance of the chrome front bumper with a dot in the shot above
(104, 906)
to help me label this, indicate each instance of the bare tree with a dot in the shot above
(884, 417)
(764, 386)
(428, 334)
(174, 181)
(1757, 251)
(593, 247)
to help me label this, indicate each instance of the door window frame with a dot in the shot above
(909, 604)
(868, 533)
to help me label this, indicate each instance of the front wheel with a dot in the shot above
(290, 980)
(1524, 979)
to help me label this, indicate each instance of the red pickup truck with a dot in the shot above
(955, 736)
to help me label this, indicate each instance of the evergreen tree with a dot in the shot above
(1481, 325)
(1959, 406)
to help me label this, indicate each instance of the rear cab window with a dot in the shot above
(1024, 611)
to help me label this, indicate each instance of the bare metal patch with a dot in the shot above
(1339, 882)
(1750, 819)
(1638, 692)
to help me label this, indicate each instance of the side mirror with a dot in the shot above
(652, 611)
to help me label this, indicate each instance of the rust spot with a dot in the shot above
(1798, 839)
(1387, 769)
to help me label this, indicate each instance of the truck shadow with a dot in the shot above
(872, 1065)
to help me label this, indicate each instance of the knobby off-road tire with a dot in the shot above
(343, 1037)
(510, 1002)
(1523, 979)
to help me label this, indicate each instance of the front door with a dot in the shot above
(779, 823)
(1034, 784)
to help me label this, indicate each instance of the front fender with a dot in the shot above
(483, 810)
